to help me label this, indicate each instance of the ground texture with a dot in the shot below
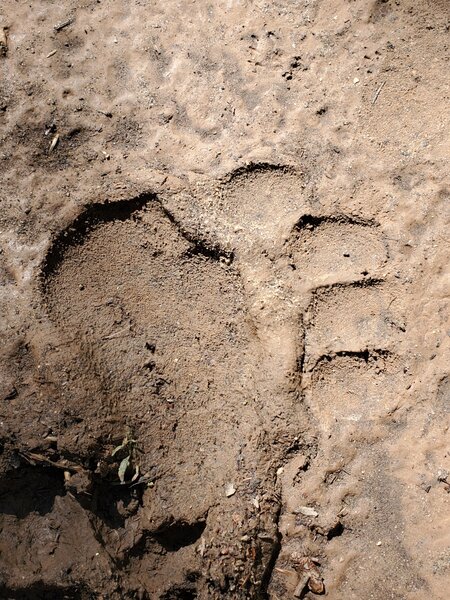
(224, 283)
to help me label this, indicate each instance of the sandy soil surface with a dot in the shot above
(224, 283)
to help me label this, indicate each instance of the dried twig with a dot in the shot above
(33, 458)
(66, 23)
(117, 334)
(130, 484)
(377, 93)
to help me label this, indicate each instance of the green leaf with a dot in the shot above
(123, 469)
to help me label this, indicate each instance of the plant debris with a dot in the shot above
(309, 577)
(378, 92)
(129, 448)
(35, 459)
(54, 143)
(307, 511)
(64, 24)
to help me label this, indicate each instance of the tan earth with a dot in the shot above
(224, 268)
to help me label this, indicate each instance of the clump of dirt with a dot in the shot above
(224, 300)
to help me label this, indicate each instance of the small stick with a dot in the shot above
(377, 93)
(117, 334)
(34, 458)
(106, 113)
(285, 571)
(64, 24)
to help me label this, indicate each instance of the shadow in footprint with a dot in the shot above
(40, 591)
(30, 489)
(157, 317)
(179, 534)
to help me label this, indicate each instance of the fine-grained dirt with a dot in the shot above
(224, 283)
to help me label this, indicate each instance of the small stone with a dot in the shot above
(356, 80)
(442, 475)
(230, 490)
(201, 548)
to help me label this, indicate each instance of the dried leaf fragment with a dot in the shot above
(54, 142)
(123, 469)
(308, 511)
(123, 445)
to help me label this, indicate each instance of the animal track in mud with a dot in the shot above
(136, 282)
(335, 248)
(158, 318)
(351, 317)
(351, 377)
(351, 321)
(256, 202)
(354, 387)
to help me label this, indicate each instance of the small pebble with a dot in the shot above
(230, 490)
